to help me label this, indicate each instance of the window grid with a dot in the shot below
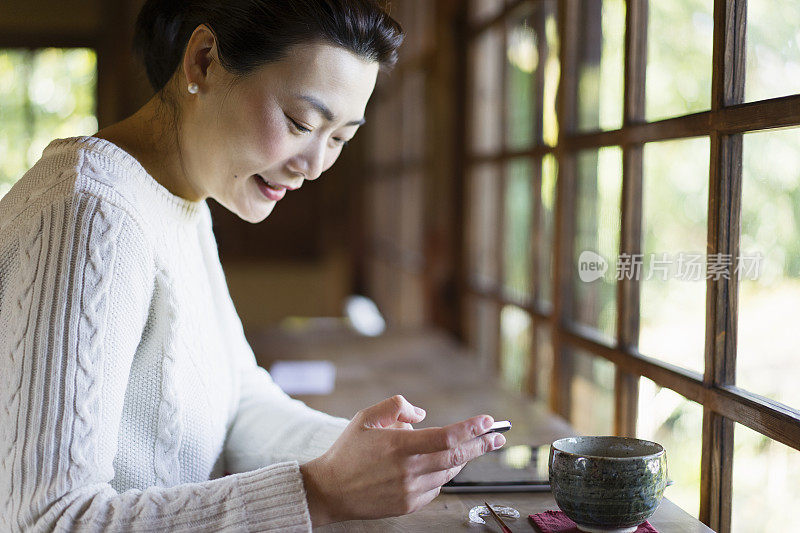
(723, 403)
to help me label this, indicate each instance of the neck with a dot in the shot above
(150, 136)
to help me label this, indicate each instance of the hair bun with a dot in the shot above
(158, 37)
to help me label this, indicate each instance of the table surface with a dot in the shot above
(437, 374)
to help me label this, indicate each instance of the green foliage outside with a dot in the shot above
(518, 233)
(679, 44)
(45, 94)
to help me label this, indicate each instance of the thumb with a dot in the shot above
(389, 411)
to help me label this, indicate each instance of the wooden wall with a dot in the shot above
(410, 183)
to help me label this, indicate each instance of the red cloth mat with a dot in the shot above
(557, 522)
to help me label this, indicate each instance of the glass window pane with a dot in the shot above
(547, 227)
(484, 198)
(672, 273)
(679, 43)
(482, 333)
(45, 94)
(676, 423)
(773, 49)
(486, 66)
(62, 91)
(769, 265)
(552, 73)
(522, 60)
(765, 487)
(15, 134)
(544, 363)
(517, 228)
(515, 326)
(597, 239)
(600, 74)
(592, 395)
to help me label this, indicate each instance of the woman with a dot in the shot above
(129, 388)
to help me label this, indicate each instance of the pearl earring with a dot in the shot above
(193, 88)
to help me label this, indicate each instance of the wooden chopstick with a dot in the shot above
(499, 520)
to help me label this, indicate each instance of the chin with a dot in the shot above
(251, 213)
(254, 216)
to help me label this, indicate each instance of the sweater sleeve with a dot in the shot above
(268, 425)
(72, 308)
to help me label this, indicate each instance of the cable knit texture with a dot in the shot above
(126, 383)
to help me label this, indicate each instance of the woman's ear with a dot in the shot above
(200, 53)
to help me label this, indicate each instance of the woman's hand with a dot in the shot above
(380, 467)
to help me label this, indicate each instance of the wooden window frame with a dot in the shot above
(728, 118)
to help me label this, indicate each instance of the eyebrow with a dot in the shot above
(326, 112)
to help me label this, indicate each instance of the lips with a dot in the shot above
(272, 191)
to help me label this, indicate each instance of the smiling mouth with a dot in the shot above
(271, 185)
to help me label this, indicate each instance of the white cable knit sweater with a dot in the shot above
(127, 387)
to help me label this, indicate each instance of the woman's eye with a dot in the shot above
(299, 127)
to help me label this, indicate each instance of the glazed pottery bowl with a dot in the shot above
(607, 484)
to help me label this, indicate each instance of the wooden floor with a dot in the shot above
(434, 372)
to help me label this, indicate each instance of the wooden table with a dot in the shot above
(435, 373)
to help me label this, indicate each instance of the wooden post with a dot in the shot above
(626, 384)
(724, 212)
(560, 399)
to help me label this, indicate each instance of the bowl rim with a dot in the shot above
(554, 446)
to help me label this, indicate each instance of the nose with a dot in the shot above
(311, 162)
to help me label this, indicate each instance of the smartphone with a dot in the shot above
(499, 427)
(519, 468)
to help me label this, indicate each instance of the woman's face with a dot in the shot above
(285, 123)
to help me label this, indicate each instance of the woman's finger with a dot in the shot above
(417, 415)
(431, 440)
(389, 411)
(432, 480)
(461, 454)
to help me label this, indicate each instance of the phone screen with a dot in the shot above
(510, 468)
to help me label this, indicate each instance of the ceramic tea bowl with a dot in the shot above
(607, 484)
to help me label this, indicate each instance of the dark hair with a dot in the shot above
(253, 32)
